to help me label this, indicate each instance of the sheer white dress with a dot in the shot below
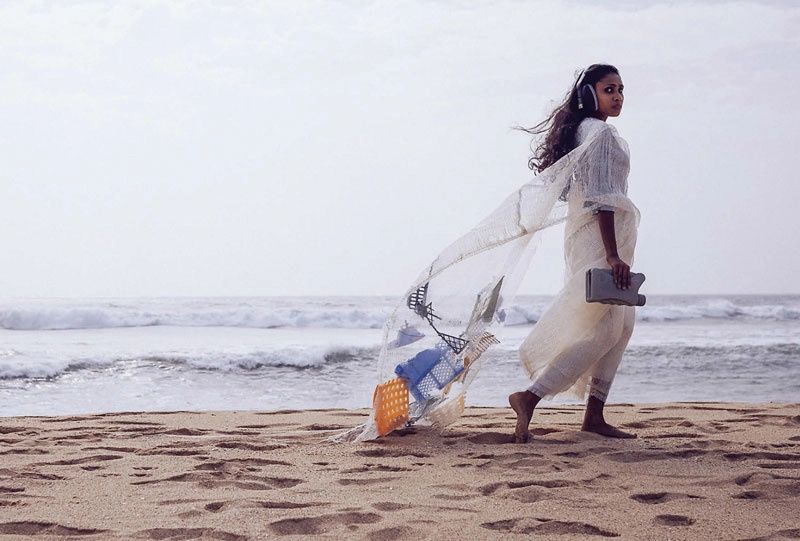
(576, 347)
(462, 294)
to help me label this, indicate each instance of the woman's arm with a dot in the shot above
(622, 271)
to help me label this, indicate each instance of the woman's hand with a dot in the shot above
(621, 270)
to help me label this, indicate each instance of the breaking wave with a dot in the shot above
(362, 313)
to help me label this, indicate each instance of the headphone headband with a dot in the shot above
(586, 93)
(580, 79)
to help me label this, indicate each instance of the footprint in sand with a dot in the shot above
(780, 535)
(190, 533)
(767, 486)
(185, 432)
(592, 451)
(77, 461)
(44, 528)
(491, 438)
(781, 466)
(25, 452)
(376, 467)
(528, 491)
(666, 421)
(685, 435)
(391, 453)
(111, 448)
(645, 455)
(213, 480)
(172, 451)
(673, 520)
(322, 524)
(535, 487)
(316, 427)
(237, 464)
(636, 424)
(11, 474)
(481, 456)
(540, 526)
(749, 495)
(660, 497)
(249, 446)
(288, 505)
(391, 506)
(399, 533)
(362, 482)
(13, 429)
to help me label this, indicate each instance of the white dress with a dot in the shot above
(576, 347)
(460, 297)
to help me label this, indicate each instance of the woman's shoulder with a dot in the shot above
(591, 128)
(592, 125)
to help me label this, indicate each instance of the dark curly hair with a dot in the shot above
(562, 124)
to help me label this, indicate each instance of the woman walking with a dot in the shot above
(576, 347)
(435, 339)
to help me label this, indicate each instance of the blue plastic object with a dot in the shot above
(429, 371)
(406, 335)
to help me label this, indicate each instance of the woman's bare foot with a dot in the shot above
(605, 429)
(594, 421)
(523, 404)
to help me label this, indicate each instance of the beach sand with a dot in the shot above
(697, 471)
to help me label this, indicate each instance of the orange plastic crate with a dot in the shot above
(390, 403)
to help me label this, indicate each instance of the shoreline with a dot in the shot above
(698, 470)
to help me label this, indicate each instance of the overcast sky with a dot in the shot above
(311, 147)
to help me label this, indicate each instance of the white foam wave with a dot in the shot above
(364, 313)
(528, 314)
(717, 309)
(288, 357)
(103, 316)
(21, 366)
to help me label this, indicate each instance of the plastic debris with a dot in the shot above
(406, 335)
(448, 411)
(390, 405)
(429, 371)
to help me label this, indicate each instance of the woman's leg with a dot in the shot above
(617, 325)
(593, 421)
(580, 360)
(559, 376)
(523, 404)
(600, 383)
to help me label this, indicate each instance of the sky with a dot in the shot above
(309, 147)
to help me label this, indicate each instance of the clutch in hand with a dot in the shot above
(600, 287)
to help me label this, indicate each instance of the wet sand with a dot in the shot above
(696, 471)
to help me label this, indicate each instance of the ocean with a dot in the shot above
(75, 356)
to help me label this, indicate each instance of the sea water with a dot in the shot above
(72, 356)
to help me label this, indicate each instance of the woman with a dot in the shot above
(576, 346)
(446, 317)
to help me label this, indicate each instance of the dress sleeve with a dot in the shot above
(604, 171)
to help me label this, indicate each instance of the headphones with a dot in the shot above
(587, 97)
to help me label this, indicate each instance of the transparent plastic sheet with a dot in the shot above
(435, 338)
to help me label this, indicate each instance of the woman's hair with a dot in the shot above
(562, 124)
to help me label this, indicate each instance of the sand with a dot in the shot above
(697, 471)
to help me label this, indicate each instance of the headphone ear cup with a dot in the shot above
(589, 99)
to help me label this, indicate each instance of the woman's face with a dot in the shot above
(609, 96)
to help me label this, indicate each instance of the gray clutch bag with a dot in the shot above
(600, 287)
